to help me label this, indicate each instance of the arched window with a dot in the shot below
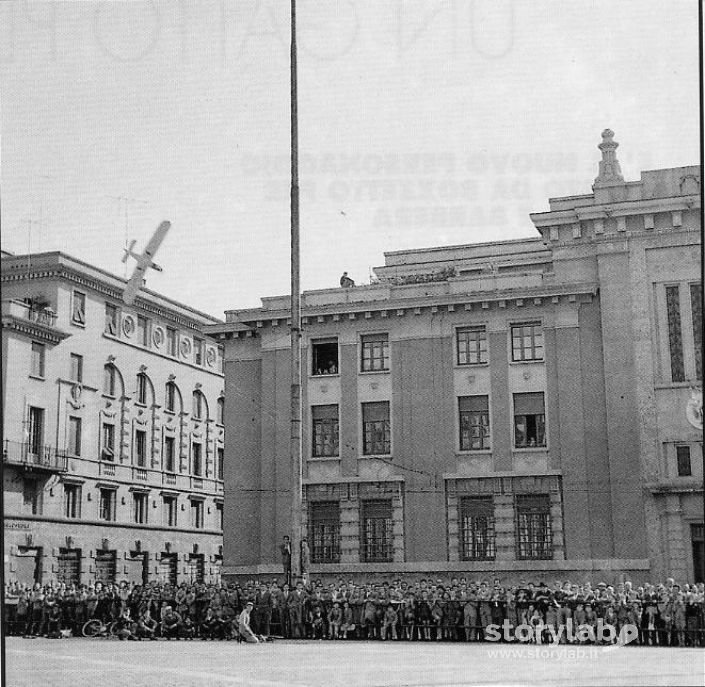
(200, 409)
(221, 411)
(144, 388)
(109, 379)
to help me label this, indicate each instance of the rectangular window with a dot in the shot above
(171, 341)
(474, 423)
(78, 312)
(69, 566)
(376, 429)
(376, 535)
(106, 504)
(108, 432)
(111, 319)
(529, 420)
(375, 352)
(109, 380)
(32, 496)
(472, 345)
(142, 389)
(477, 534)
(140, 448)
(38, 359)
(76, 368)
(325, 430)
(142, 334)
(696, 309)
(105, 566)
(72, 501)
(197, 405)
(219, 514)
(169, 454)
(325, 357)
(683, 458)
(170, 400)
(169, 510)
(324, 532)
(675, 335)
(140, 503)
(220, 467)
(74, 436)
(534, 536)
(197, 514)
(527, 341)
(220, 411)
(198, 351)
(197, 458)
(36, 430)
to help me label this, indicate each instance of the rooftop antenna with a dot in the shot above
(126, 200)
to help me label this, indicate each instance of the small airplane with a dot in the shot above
(144, 261)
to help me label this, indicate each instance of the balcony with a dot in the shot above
(38, 322)
(42, 458)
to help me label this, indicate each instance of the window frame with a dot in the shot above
(327, 429)
(197, 453)
(140, 508)
(370, 341)
(169, 441)
(479, 350)
(38, 360)
(107, 439)
(467, 536)
(72, 500)
(142, 330)
(539, 548)
(370, 551)
(316, 371)
(172, 342)
(112, 319)
(76, 368)
(534, 324)
(486, 438)
(196, 507)
(324, 542)
(140, 448)
(111, 503)
(527, 445)
(74, 432)
(683, 460)
(369, 444)
(78, 307)
(142, 392)
(170, 507)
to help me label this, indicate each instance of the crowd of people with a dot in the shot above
(458, 609)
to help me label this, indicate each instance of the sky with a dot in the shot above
(421, 123)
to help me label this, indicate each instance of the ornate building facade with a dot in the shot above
(514, 408)
(113, 438)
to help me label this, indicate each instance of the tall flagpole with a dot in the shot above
(296, 413)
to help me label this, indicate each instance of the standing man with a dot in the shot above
(285, 549)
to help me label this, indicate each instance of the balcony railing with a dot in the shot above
(45, 316)
(23, 453)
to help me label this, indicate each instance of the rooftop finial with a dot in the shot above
(610, 171)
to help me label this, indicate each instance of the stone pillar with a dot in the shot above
(675, 541)
(504, 527)
(350, 526)
(453, 525)
(557, 525)
(398, 526)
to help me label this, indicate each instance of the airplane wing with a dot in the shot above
(157, 239)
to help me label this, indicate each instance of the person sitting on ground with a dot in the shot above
(146, 626)
(171, 621)
(335, 619)
(244, 624)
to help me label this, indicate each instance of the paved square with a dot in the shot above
(91, 662)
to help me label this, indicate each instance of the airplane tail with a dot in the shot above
(128, 251)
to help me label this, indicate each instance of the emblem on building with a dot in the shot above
(128, 325)
(694, 408)
(158, 337)
(185, 347)
(210, 357)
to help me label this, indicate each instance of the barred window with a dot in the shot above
(471, 345)
(527, 341)
(376, 429)
(529, 420)
(477, 533)
(696, 307)
(324, 531)
(325, 430)
(474, 423)
(533, 528)
(105, 566)
(69, 566)
(675, 335)
(375, 352)
(376, 536)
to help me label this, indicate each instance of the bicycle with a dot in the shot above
(97, 628)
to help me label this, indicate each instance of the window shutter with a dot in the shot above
(375, 412)
(329, 412)
(529, 404)
(475, 404)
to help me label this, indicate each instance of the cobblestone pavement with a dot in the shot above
(103, 663)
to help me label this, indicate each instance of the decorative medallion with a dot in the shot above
(694, 408)
(185, 348)
(158, 337)
(128, 325)
(210, 357)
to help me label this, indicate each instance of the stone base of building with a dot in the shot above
(610, 571)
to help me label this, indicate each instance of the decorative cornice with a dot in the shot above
(34, 329)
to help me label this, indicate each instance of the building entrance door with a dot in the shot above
(167, 568)
(29, 564)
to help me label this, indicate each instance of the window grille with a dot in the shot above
(324, 532)
(195, 568)
(375, 352)
(675, 335)
(325, 430)
(105, 566)
(533, 528)
(69, 566)
(477, 531)
(474, 423)
(376, 430)
(377, 535)
(471, 345)
(696, 307)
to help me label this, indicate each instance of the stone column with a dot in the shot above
(504, 527)
(350, 526)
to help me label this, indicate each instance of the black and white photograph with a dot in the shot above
(352, 343)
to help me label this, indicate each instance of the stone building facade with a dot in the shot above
(113, 437)
(523, 408)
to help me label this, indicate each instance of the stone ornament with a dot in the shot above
(185, 348)
(210, 357)
(158, 337)
(128, 325)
